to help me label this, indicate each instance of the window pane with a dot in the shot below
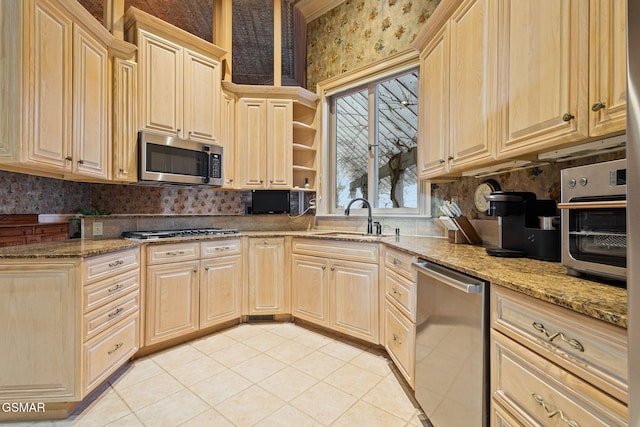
(352, 141)
(397, 136)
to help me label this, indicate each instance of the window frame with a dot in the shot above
(354, 81)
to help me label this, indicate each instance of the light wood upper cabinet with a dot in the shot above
(91, 101)
(607, 67)
(50, 97)
(268, 276)
(125, 120)
(472, 83)
(265, 135)
(252, 143)
(160, 63)
(434, 106)
(457, 91)
(180, 79)
(228, 138)
(279, 144)
(543, 75)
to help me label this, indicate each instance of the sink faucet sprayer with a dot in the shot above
(365, 202)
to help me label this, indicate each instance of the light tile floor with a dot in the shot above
(260, 374)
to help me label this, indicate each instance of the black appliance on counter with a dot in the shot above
(527, 227)
(270, 202)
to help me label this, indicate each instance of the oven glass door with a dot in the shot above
(165, 159)
(598, 234)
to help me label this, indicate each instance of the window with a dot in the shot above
(374, 141)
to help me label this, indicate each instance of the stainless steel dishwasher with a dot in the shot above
(452, 371)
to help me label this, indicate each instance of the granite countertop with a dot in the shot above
(74, 248)
(544, 280)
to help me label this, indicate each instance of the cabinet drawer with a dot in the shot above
(15, 231)
(399, 262)
(592, 349)
(350, 251)
(175, 252)
(103, 266)
(51, 229)
(401, 291)
(109, 290)
(109, 314)
(400, 336)
(220, 247)
(105, 353)
(532, 388)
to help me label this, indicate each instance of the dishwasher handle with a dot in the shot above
(450, 277)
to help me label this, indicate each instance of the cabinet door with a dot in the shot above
(472, 32)
(280, 144)
(220, 290)
(39, 314)
(543, 75)
(310, 289)
(172, 301)
(90, 86)
(161, 81)
(268, 277)
(607, 67)
(228, 139)
(354, 299)
(201, 97)
(252, 143)
(50, 102)
(434, 106)
(125, 120)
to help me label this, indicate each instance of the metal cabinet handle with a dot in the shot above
(115, 288)
(115, 348)
(116, 263)
(396, 261)
(190, 133)
(178, 132)
(175, 253)
(551, 412)
(324, 267)
(566, 117)
(195, 270)
(68, 158)
(206, 269)
(397, 339)
(450, 158)
(266, 242)
(115, 312)
(572, 342)
(441, 160)
(333, 269)
(81, 162)
(597, 106)
(396, 291)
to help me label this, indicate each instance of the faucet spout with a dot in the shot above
(366, 203)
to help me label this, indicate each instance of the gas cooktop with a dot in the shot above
(167, 234)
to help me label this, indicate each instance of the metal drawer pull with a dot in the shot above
(115, 312)
(553, 413)
(573, 343)
(396, 261)
(176, 253)
(397, 339)
(396, 291)
(116, 263)
(115, 348)
(115, 288)
(222, 248)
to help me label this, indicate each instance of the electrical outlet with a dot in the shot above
(97, 228)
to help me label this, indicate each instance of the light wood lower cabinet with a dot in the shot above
(172, 300)
(332, 291)
(546, 359)
(200, 289)
(268, 276)
(64, 327)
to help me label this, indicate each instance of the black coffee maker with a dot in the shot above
(519, 230)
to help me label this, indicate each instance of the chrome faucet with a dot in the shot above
(365, 202)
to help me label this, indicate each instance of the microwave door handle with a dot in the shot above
(206, 178)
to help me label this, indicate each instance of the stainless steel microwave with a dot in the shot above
(165, 159)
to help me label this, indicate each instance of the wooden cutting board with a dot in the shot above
(467, 229)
